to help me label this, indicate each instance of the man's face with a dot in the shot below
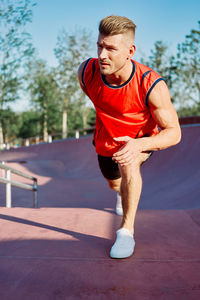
(113, 53)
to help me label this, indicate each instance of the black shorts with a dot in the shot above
(109, 168)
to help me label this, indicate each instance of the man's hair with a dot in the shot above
(112, 25)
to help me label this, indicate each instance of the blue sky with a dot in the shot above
(156, 20)
(168, 21)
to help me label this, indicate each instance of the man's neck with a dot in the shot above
(120, 76)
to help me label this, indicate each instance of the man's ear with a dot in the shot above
(132, 51)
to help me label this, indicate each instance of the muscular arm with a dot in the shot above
(165, 116)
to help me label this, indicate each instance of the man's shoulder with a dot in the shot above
(88, 63)
(145, 73)
(87, 70)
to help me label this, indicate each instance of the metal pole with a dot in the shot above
(77, 134)
(49, 139)
(35, 189)
(8, 190)
(3, 171)
(27, 143)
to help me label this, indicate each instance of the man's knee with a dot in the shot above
(114, 184)
(128, 171)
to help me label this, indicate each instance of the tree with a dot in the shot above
(44, 95)
(188, 70)
(10, 124)
(15, 49)
(70, 51)
(29, 125)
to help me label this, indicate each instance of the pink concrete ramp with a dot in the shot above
(61, 249)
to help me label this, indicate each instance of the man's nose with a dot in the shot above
(102, 53)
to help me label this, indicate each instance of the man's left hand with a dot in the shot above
(128, 152)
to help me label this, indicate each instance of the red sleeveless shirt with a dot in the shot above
(120, 110)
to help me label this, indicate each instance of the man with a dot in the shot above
(131, 102)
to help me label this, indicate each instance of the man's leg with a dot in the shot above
(115, 185)
(131, 186)
(111, 173)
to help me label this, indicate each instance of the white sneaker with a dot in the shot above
(119, 209)
(124, 244)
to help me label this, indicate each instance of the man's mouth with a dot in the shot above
(104, 64)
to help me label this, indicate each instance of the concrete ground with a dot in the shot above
(61, 250)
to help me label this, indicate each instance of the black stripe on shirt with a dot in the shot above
(144, 75)
(149, 91)
(83, 72)
(93, 69)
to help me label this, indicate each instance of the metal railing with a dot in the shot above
(6, 179)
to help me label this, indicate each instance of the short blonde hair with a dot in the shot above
(112, 25)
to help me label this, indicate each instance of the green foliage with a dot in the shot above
(189, 111)
(158, 57)
(91, 117)
(10, 124)
(29, 124)
(15, 50)
(70, 51)
(182, 72)
(162, 62)
(44, 95)
(188, 69)
(15, 47)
